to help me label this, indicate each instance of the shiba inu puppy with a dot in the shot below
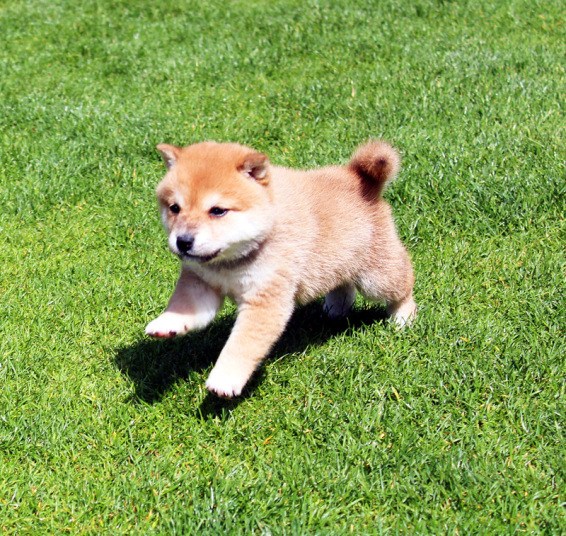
(270, 237)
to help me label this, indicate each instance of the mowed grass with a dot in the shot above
(453, 426)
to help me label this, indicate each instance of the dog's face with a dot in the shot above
(215, 201)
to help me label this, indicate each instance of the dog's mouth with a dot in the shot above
(199, 258)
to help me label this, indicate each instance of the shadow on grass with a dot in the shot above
(155, 365)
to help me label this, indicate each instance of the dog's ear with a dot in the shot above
(170, 153)
(255, 166)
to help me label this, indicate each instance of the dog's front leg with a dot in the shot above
(193, 305)
(258, 326)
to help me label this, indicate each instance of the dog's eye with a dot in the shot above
(218, 212)
(174, 208)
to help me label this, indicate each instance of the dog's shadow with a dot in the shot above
(155, 365)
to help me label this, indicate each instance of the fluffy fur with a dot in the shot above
(270, 237)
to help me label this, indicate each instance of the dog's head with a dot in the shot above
(215, 201)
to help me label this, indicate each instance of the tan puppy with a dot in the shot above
(270, 237)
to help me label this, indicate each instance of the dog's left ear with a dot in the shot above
(170, 153)
(255, 167)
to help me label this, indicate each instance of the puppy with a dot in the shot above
(270, 237)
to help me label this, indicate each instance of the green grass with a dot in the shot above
(454, 426)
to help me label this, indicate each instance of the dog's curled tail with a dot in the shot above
(377, 163)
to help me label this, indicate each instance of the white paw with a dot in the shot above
(404, 314)
(227, 381)
(168, 325)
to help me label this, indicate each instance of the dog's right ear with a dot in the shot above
(170, 153)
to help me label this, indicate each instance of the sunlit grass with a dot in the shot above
(455, 425)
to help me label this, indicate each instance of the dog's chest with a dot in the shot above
(236, 283)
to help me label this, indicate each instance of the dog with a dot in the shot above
(269, 238)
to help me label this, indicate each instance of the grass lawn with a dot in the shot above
(455, 426)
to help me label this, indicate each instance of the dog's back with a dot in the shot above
(334, 222)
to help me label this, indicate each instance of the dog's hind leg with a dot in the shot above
(403, 312)
(391, 280)
(338, 303)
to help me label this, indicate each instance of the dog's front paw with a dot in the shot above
(168, 325)
(227, 381)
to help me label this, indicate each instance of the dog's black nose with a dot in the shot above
(185, 243)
